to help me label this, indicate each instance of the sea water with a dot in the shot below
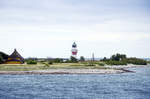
(77, 86)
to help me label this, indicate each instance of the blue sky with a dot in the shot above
(47, 28)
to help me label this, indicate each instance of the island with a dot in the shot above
(118, 63)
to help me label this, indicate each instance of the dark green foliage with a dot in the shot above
(136, 61)
(31, 62)
(50, 62)
(73, 59)
(46, 64)
(104, 59)
(101, 64)
(118, 57)
(82, 59)
(121, 59)
(3, 57)
(90, 64)
(111, 62)
(58, 60)
(1, 60)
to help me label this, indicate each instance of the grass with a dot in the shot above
(40, 66)
(21, 67)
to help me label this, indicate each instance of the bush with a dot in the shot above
(4, 56)
(50, 62)
(82, 59)
(1, 60)
(58, 60)
(31, 62)
(90, 64)
(118, 57)
(136, 61)
(46, 64)
(116, 62)
(73, 59)
(101, 64)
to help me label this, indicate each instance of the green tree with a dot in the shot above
(31, 62)
(82, 59)
(1, 59)
(118, 57)
(104, 59)
(3, 56)
(73, 59)
(58, 60)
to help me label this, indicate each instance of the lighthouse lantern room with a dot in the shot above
(74, 50)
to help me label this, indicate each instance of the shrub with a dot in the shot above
(73, 59)
(118, 57)
(4, 56)
(1, 60)
(50, 62)
(90, 64)
(58, 60)
(136, 61)
(82, 59)
(101, 64)
(31, 62)
(116, 62)
(46, 64)
(104, 59)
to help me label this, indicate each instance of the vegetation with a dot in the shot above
(118, 57)
(82, 59)
(121, 59)
(3, 57)
(31, 62)
(73, 59)
(90, 64)
(45, 66)
(111, 62)
(50, 62)
(57, 60)
(1, 60)
(101, 64)
(136, 61)
(104, 59)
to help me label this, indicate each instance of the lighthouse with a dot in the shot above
(74, 50)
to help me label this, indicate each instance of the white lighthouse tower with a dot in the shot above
(74, 50)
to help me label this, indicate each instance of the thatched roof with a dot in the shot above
(15, 54)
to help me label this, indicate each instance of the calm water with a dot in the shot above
(110, 86)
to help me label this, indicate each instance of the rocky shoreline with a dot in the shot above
(67, 71)
(110, 70)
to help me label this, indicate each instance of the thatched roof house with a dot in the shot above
(15, 58)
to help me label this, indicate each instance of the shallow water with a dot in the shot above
(77, 86)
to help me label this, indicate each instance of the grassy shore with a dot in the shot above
(39, 66)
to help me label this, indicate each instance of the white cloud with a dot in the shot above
(103, 29)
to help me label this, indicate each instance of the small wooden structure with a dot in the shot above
(15, 58)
